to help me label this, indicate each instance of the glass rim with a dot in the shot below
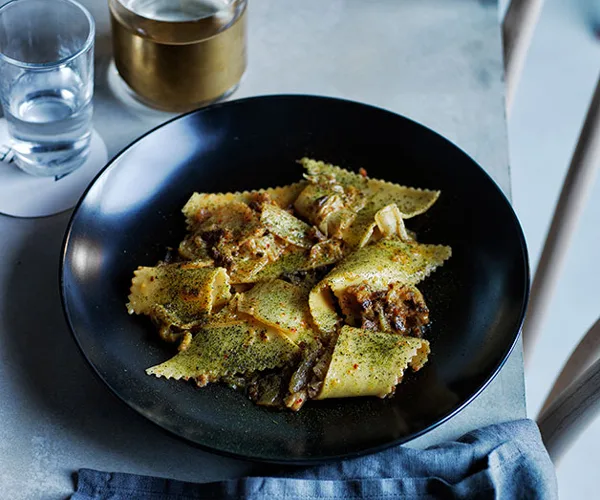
(89, 41)
(234, 3)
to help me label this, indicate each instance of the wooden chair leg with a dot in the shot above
(584, 356)
(571, 413)
(573, 197)
(518, 27)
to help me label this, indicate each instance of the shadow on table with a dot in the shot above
(90, 426)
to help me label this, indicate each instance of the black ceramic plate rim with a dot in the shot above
(308, 460)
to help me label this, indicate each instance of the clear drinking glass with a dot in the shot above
(46, 83)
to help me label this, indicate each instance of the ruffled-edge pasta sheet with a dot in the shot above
(180, 294)
(378, 265)
(283, 196)
(367, 363)
(282, 306)
(240, 347)
(254, 234)
(345, 204)
(262, 330)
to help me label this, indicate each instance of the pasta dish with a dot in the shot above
(296, 293)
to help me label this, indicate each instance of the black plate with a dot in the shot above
(132, 212)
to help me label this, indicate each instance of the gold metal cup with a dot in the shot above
(179, 66)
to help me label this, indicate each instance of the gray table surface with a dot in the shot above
(436, 61)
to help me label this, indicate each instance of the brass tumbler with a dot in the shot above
(178, 60)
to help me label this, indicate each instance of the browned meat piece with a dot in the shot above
(399, 309)
(258, 200)
(231, 236)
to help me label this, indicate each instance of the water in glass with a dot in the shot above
(49, 118)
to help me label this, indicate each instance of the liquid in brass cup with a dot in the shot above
(173, 61)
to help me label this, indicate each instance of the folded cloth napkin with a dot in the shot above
(500, 461)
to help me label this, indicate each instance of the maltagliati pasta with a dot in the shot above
(296, 293)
